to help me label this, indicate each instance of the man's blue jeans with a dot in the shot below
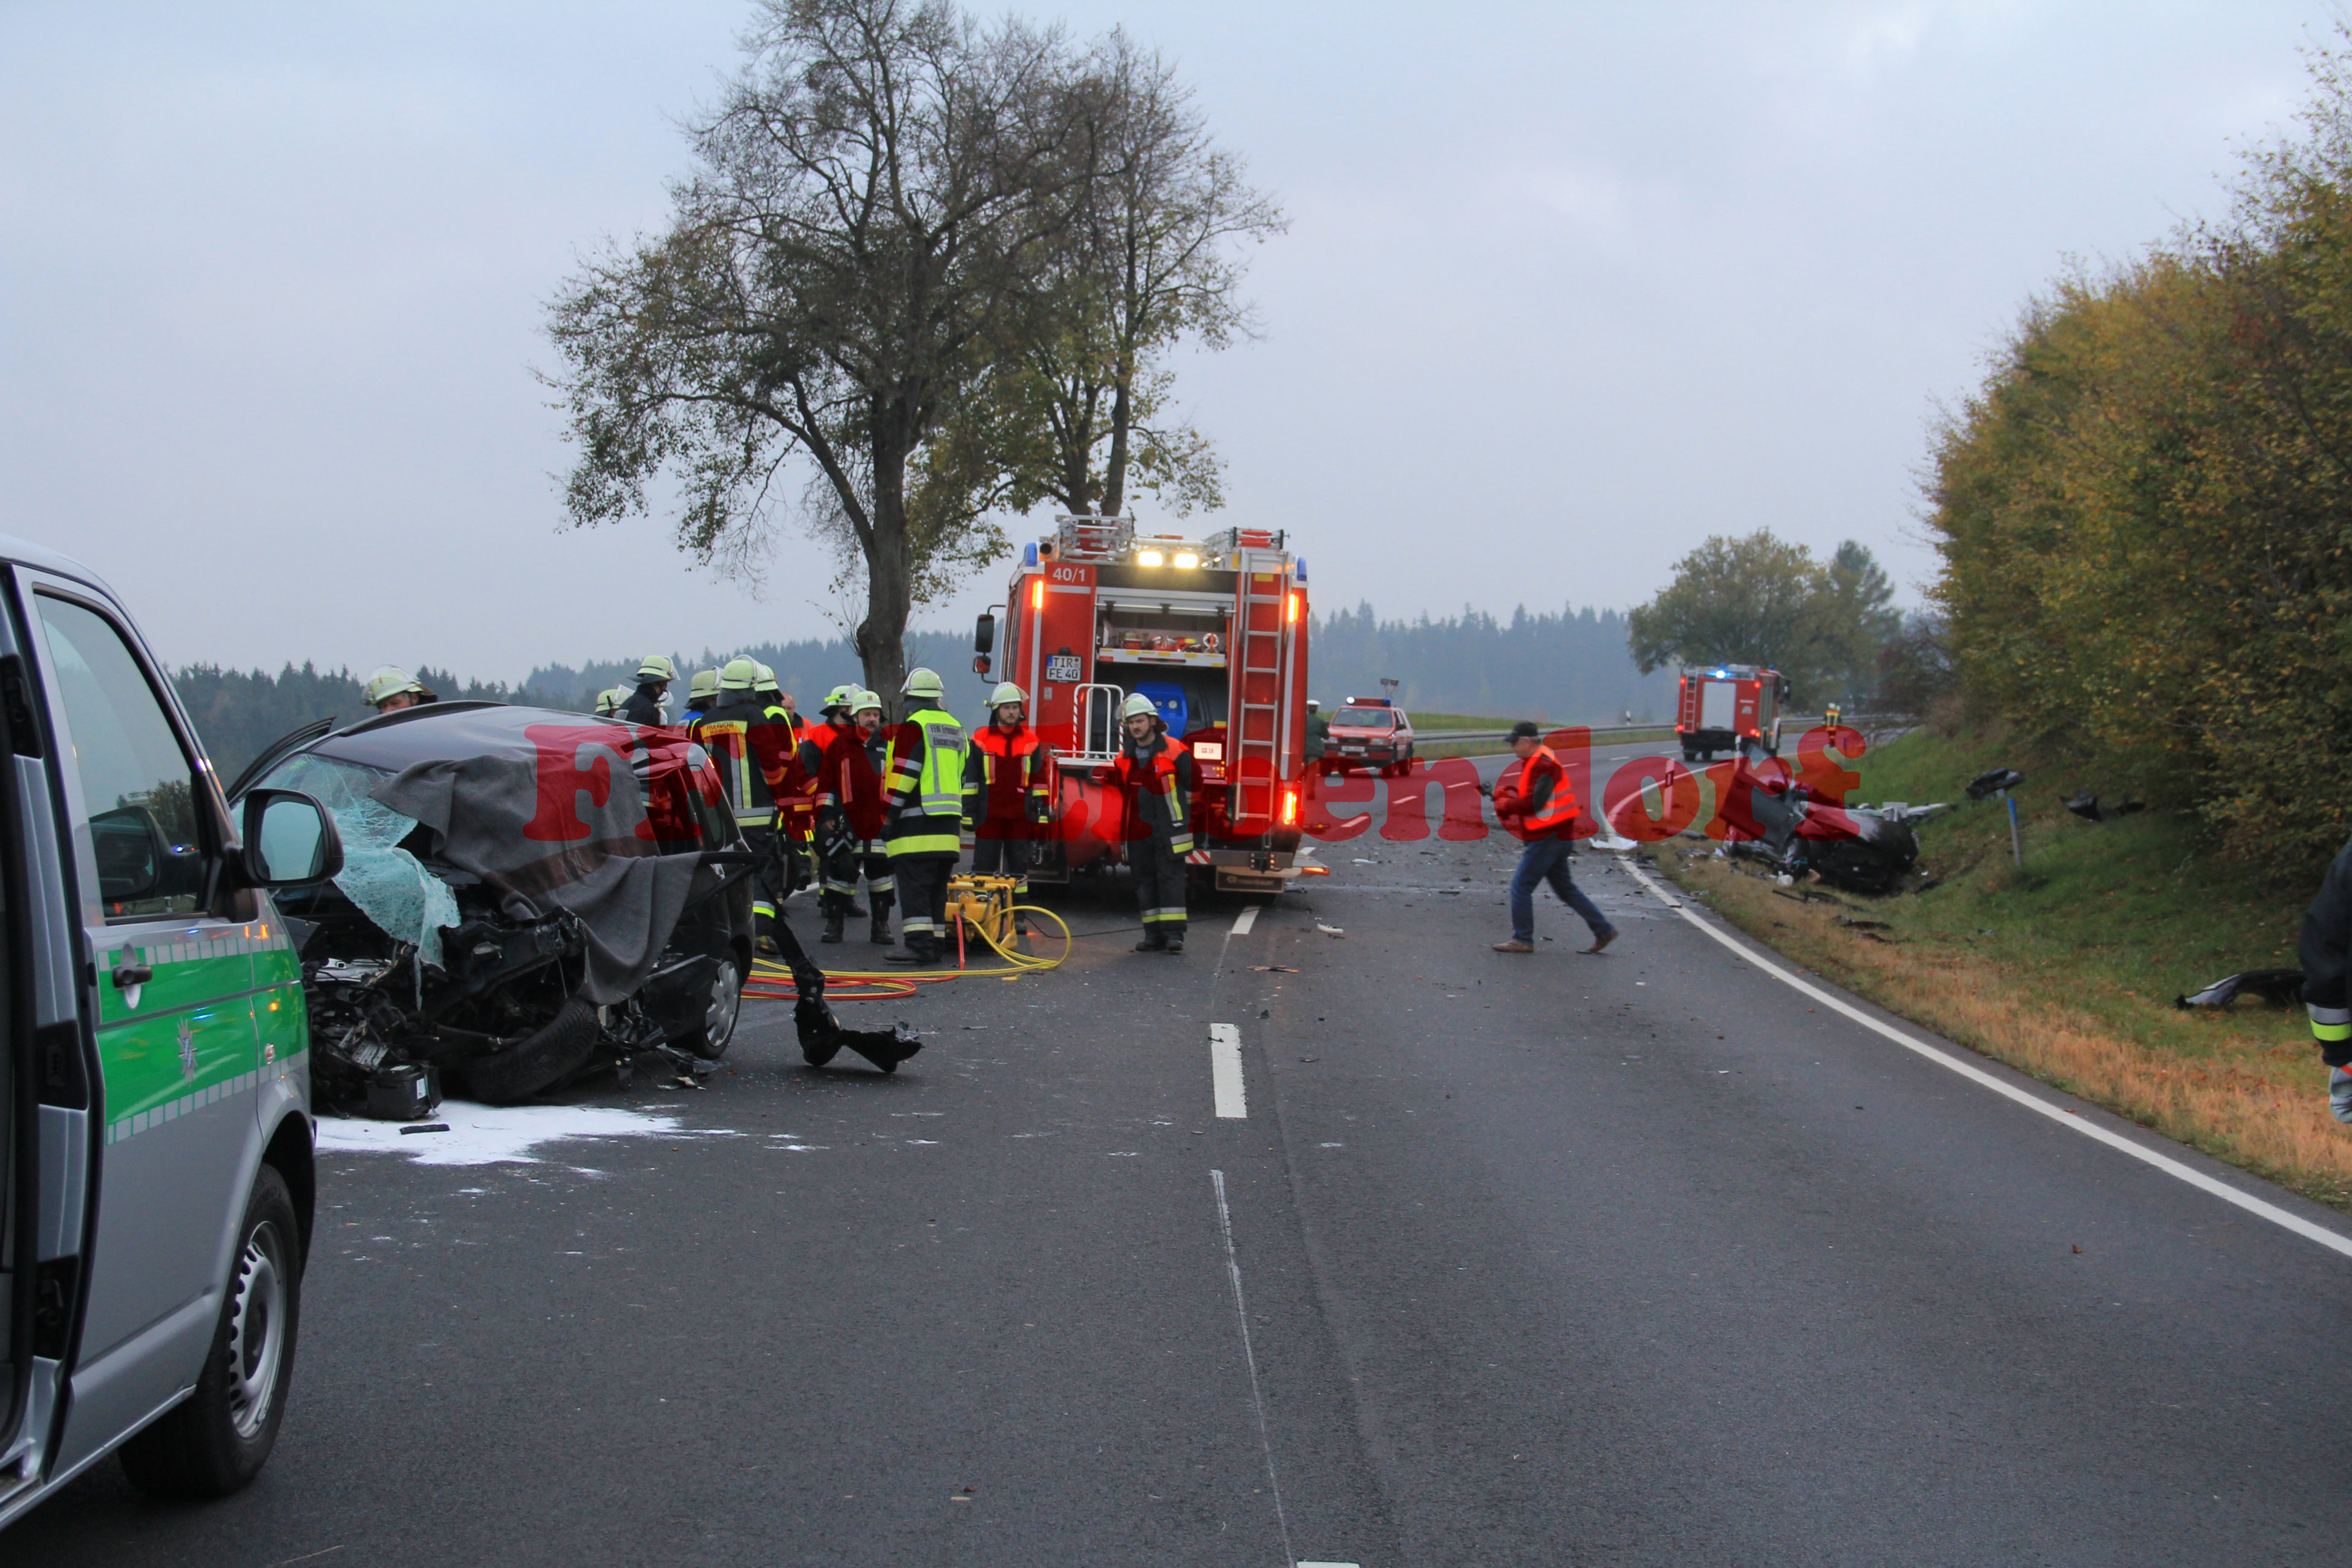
(1546, 860)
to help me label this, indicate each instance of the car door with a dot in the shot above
(169, 986)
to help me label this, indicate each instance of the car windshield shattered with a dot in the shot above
(387, 883)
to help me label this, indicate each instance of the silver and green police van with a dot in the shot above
(155, 1129)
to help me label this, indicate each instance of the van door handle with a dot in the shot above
(129, 974)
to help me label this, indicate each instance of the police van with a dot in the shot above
(155, 1126)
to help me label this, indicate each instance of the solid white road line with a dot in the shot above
(1244, 921)
(1249, 1355)
(2060, 1114)
(1225, 1071)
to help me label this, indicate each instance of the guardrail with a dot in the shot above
(1598, 730)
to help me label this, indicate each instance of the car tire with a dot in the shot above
(215, 1441)
(722, 1009)
(538, 1063)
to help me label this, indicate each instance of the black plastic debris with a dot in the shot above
(1992, 781)
(2087, 806)
(822, 1035)
(2282, 986)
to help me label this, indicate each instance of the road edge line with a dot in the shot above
(2060, 1114)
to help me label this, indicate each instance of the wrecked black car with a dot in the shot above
(526, 895)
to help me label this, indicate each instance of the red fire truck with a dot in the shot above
(1214, 632)
(1727, 707)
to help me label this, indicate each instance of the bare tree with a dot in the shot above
(1076, 407)
(874, 193)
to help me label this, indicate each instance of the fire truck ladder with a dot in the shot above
(1256, 731)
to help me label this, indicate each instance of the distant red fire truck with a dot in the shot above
(1726, 706)
(1214, 632)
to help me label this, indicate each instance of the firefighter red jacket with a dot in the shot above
(1008, 782)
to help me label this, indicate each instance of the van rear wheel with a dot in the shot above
(215, 1441)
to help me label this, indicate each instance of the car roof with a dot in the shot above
(444, 731)
(25, 552)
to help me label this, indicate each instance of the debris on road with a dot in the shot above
(428, 1127)
(2283, 986)
(1329, 930)
(2085, 805)
(1271, 969)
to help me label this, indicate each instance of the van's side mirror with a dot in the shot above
(289, 840)
(984, 637)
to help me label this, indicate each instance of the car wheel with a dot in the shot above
(538, 1063)
(215, 1441)
(721, 1007)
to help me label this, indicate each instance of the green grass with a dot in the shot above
(2067, 966)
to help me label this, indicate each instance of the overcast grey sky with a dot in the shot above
(1566, 288)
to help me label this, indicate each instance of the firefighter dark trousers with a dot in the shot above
(1006, 857)
(771, 880)
(1160, 877)
(923, 897)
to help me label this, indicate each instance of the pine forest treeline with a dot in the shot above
(1571, 667)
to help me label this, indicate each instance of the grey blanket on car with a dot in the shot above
(626, 892)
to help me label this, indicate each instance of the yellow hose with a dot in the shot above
(774, 980)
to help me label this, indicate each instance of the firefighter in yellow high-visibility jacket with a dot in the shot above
(923, 792)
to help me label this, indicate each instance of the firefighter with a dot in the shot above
(701, 695)
(924, 793)
(865, 816)
(1008, 794)
(797, 806)
(2326, 957)
(828, 751)
(1155, 778)
(1318, 737)
(609, 700)
(648, 704)
(392, 688)
(1536, 802)
(757, 769)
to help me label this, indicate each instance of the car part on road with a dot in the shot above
(2281, 986)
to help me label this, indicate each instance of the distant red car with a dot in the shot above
(1371, 731)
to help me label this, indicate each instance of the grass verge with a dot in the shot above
(2066, 968)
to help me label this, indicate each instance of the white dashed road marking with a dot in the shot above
(1244, 921)
(1225, 1071)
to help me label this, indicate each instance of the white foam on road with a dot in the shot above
(2061, 1115)
(1225, 1071)
(498, 1134)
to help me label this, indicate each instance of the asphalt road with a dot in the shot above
(1638, 1259)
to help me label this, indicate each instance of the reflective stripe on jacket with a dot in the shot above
(1156, 792)
(2325, 953)
(1547, 806)
(1007, 777)
(925, 785)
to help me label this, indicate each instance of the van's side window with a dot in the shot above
(137, 783)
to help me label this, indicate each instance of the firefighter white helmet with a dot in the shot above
(1139, 704)
(392, 680)
(739, 675)
(923, 682)
(657, 668)
(1008, 692)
